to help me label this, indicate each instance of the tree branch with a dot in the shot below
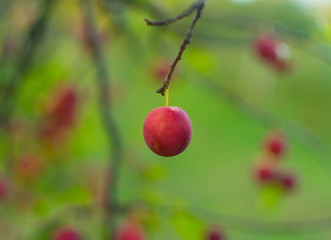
(197, 6)
(112, 132)
(30, 44)
(251, 225)
(250, 23)
(168, 21)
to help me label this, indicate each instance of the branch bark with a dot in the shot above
(198, 7)
(112, 131)
(29, 47)
(251, 225)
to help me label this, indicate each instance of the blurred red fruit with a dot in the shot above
(266, 48)
(215, 234)
(130, 231)
(61, 112)
(288, 181)
(264, 173)
(275, 144)
(66, 234)
(4, 189)
(274, 52)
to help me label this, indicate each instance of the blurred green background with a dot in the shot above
(210, 183)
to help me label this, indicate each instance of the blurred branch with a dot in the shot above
(30, 44)
(237, 223)
(197, 6)
(168, 21)
(251, 23)
(116, 10)
(9, 86)
(294, 130)
(107, 117)
(251, 225)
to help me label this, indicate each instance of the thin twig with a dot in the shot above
(248, 22)
(186, 13)
(108, 121)
(197, 6)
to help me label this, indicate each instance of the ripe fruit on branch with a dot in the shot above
(130, 231)
(66, 234)
(167, 131)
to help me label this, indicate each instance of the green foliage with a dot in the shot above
(215, 171)
(187, 225)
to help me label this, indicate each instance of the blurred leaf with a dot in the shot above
(194, 57)
(187, 225)
(271, 196)
(41, 207)
(74, 195)
(154, 172)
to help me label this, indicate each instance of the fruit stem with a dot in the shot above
(167, 97)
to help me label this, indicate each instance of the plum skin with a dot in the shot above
(167, 131)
